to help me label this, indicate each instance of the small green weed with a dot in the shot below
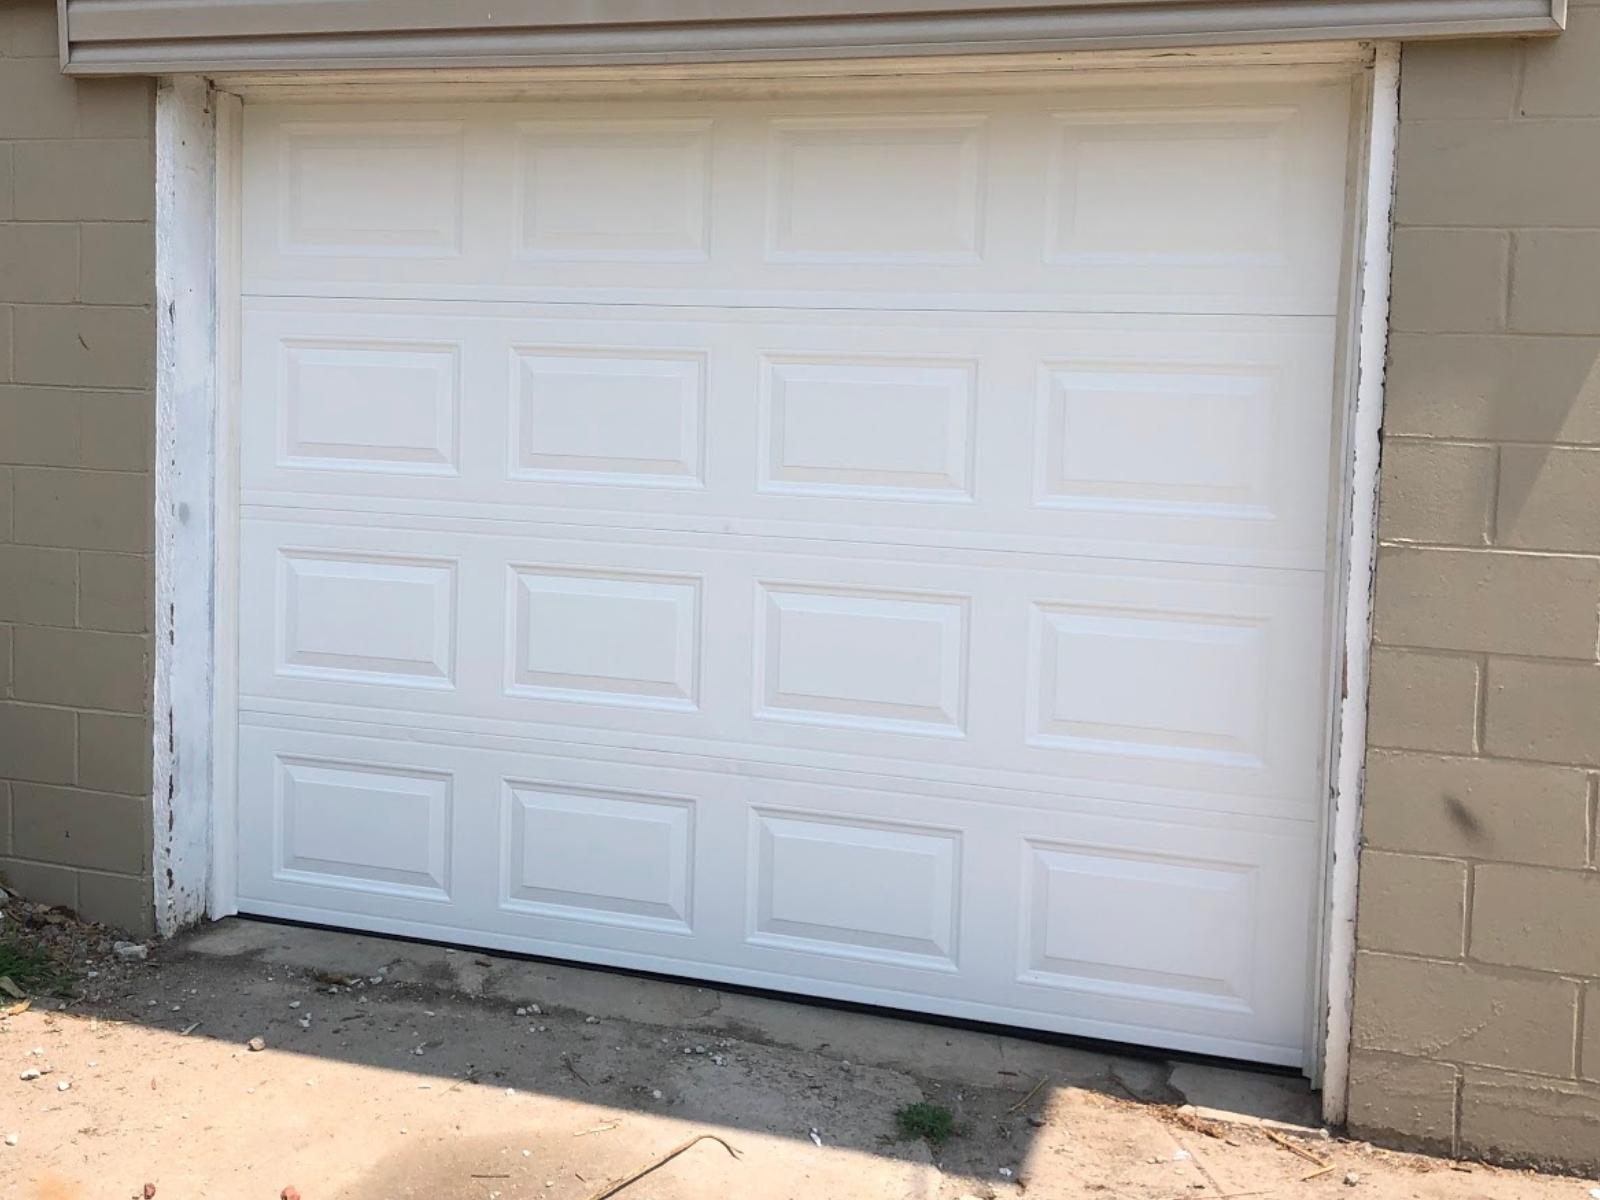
(31, 969)
(931, 1123)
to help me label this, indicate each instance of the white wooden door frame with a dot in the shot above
(197, 268)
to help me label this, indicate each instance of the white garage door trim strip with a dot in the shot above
(196, 478)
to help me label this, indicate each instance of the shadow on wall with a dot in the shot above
(1543, 392)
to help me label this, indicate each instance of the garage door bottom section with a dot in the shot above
(1106, 922)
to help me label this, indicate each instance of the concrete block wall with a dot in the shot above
(1477, 1015)
(77, 345)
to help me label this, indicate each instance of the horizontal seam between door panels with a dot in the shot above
(561, 739)
(541, 527)
(961, 310)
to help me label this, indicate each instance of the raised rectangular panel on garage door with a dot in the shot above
(1196, 918)
(1172, 197)
(326, 205)
(895, 893)
(325, 603)
(587, 855)
(371, 827)
(1213, 910)
(354, 405)
(608, 415)
(578, 185)
(862, 659)
(1176, 681)
(612, 637)
(869, 426)
(888, 565)
(878, 189)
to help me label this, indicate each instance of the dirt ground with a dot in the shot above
(394, 1070)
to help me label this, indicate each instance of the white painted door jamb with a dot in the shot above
(184, 490)
(1360, 548)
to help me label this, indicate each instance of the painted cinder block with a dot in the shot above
(1465, 1013)
(1440, 492)
(84, 179)
(1412, 905)
(1458, 81)
(37, 585)
(1521, 1118)
(1450, 280)
(1398, 1098)
(114, 753)
(1446, 599)
(85, 510)
(79, 345)
(81, 668)
(1502, 388)
(1421, 700)
(1537, 917)
(38, 743)
(1548, 711)
(1473, 173)
(1476, 808)
(1550, 291)
(1561, 79)
(79, 828)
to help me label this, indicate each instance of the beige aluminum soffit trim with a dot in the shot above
(170, 36)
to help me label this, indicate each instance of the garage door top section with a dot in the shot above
(1105, 201)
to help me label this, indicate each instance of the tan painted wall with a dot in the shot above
(77, 341)
(1477, 1025)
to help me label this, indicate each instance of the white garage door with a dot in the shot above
(869, 547)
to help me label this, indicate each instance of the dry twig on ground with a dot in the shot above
(612, 1189)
